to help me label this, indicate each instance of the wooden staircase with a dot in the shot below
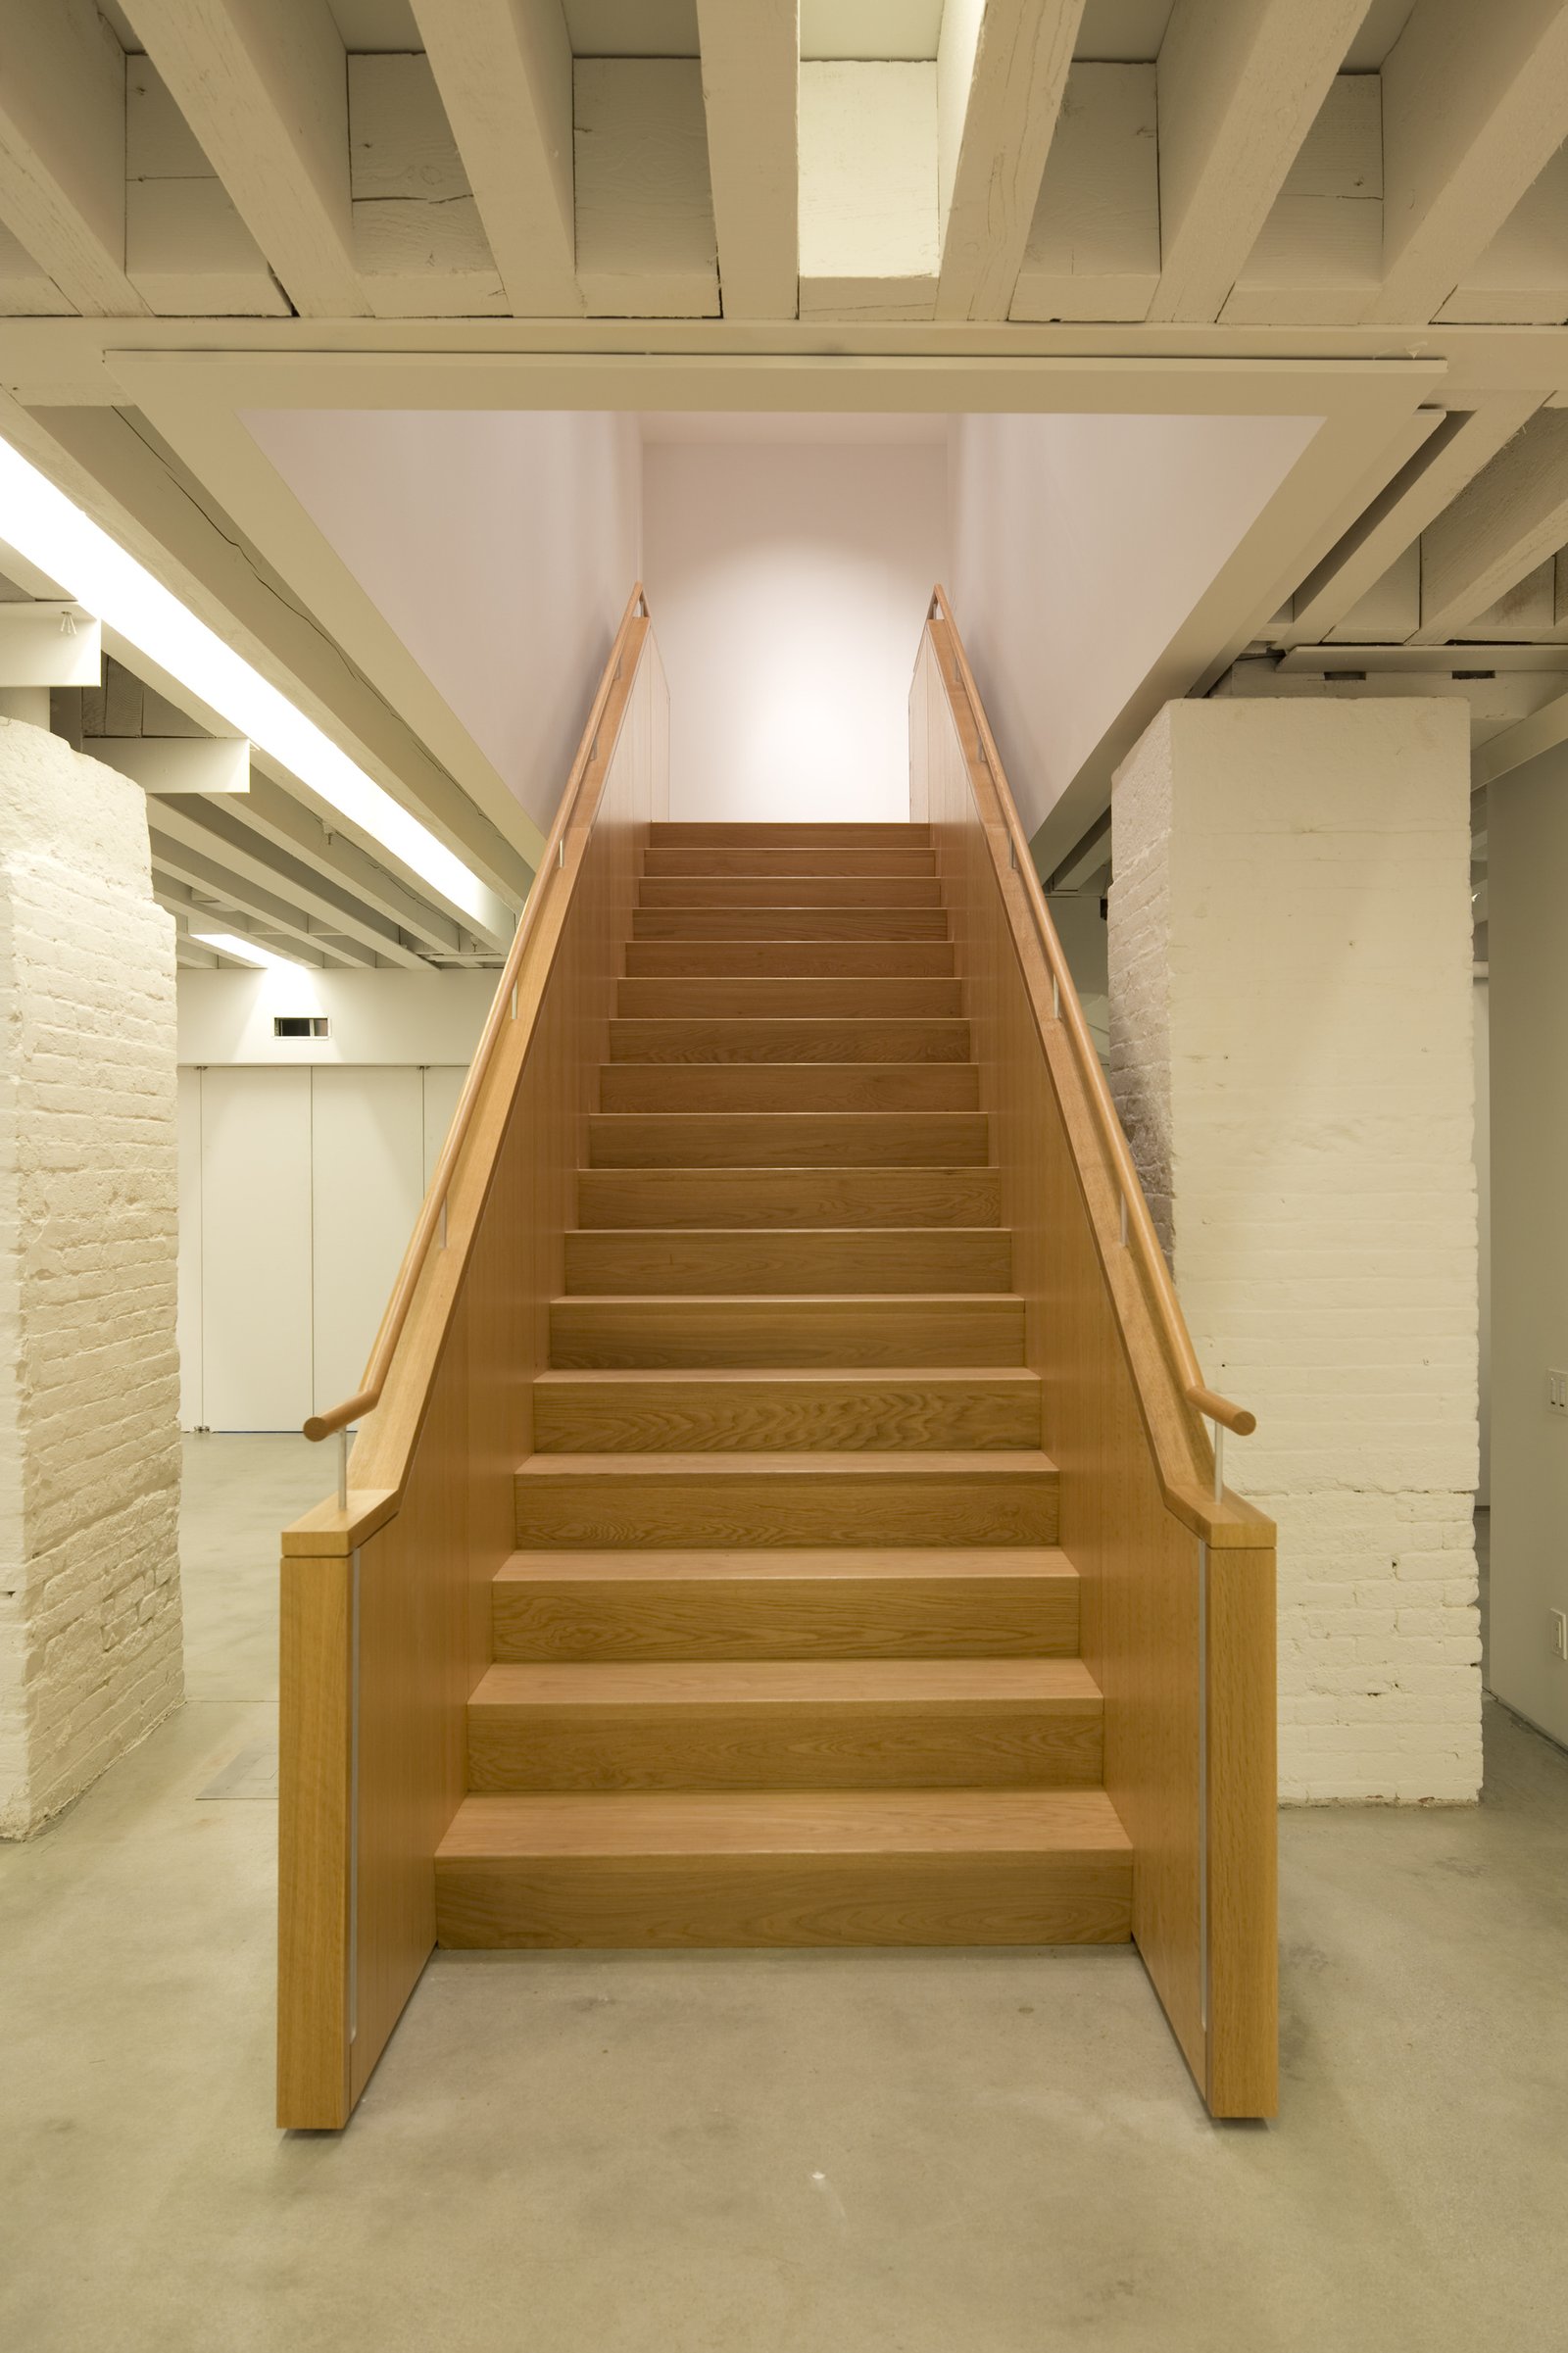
(786, 1653)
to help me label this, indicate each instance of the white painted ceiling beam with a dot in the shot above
(63, 148)
(272, 813)
(1510, 519)
(1475, 104)
(235, 902)
(1093, 250)
(750, 60)
(1001, 69)
(1240, 86)
(228, 847)
(1450, 453)
(177, 763)
(418, 242)
(264, 85)
(504, 71)
(646, 243)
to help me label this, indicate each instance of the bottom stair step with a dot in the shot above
(802, 1868)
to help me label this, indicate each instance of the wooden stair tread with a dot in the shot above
(973, 1684)
(737, 1564)
(989, 1822)
(1017, 1462)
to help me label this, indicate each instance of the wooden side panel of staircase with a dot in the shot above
(432, 1508)
(1193, 1785)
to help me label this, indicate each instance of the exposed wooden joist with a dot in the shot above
(1240, 83)
(175, 764)
(187, 251)
(1443, 460)
(1002, 67)
(262, 83)
(1319, 255)
(418, 242)
(226, 846)
(750, 60)
(504, 71)
(1475, 104)
(1526, 739)
(237, 901)
(1522, 276)
(63, 148)
(272, 812)
(1510, 519)
(1093, 250)
(647, 245)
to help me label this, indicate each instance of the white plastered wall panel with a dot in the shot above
(1079, 544)
(501, 544)
(1292, 1056)
(789, 586)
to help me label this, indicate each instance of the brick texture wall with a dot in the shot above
(1291, 1053)
(89, 1446)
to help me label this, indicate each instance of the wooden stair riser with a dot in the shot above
(832, 859)
(658, 1507)
(770, 1412)
(665, 1904)
(728, 834)
(667, 1044)
(788, 1140)
(697, 997)
(790, 1087)
(691, 1332)
(814, 1743)
(789, 1197)
(742, 892)
(898, 1260)
(737, 1606)
(792, 959)
(788, 923)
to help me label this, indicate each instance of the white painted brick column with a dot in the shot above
(89, 1440)
(1291, 1053)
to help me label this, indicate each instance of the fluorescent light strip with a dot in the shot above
(246, 951)
(43, 524)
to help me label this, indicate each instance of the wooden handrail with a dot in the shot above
(1140, 1226)
(368, 1394)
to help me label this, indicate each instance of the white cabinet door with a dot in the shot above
(255, 1213)
(367, 1180)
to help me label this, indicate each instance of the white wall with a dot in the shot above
(1527, 888)
(501, 546)
(406, 1017)
(789, 584)
(1292, 1056)
(1079, 547)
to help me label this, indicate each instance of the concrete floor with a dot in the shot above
(884, 2152)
